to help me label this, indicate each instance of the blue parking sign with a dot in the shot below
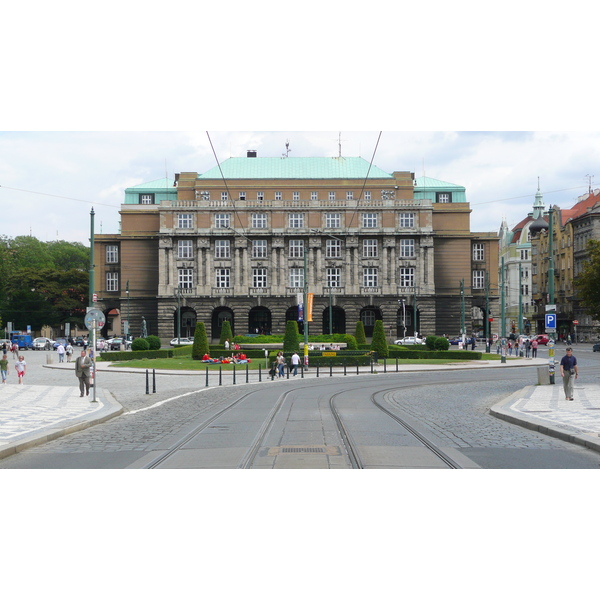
(550, 321)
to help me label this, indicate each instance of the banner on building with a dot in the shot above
(309, 306)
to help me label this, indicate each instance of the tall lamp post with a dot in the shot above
(402, 303)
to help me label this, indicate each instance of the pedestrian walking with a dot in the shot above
(21, 368)
(69, 352)
(82, 372)
(527, 348)
(61, 353)
(4, 367)
(15, 350)
(569, 372)
(534, 347)
(295, 363)
(281, 364)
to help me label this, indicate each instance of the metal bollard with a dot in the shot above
(259, 374)
(206, 376)
(330, 368)
(154, 381)
(317, 369)
(345, 364)
(147, 383)
(396, 364)
(247, 372)
(385, 365)
(220, 375)
(233, 373)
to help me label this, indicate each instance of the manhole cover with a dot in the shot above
(285, 450)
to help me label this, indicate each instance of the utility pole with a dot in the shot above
(520, 299)
(502, 308)
(462, 309)
(91, 291)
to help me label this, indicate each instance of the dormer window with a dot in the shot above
(443, 197)
(146, 199)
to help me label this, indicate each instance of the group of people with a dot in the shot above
(232, 345)
(63, 351)
(278, 366)
(239, 358)
(527, 347)
(20, 364)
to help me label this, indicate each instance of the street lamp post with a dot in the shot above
(402, 303)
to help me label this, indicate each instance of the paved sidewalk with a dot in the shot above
(35, 414)
(543, 408)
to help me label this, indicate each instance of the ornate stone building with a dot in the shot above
(236, 243)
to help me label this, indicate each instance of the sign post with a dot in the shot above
(94, 318)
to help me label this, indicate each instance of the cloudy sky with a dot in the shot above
(51, 180)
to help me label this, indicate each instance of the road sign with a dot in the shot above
(575, 322)
(550, 321)
(94, 315)
(550, 308)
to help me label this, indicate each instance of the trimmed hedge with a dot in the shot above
(134, 355)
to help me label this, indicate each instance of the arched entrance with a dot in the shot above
(338, 315)
(259, 320)
(188, 322)
(405, 319)
(219, 316)
(368, 316)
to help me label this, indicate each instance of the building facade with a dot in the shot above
(238, 243)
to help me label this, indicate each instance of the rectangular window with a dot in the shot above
(407, 248)
(222, 220)
(184, 249)
(296, 220)
(369, 220)
(367, 195)
(146, 198)
(370, 277)
(185, 278)
(112, 282)
(259, 220)
(224, 197)
(333, 249)
(222, 249)
(479, 252)
(334, 277)
(478, 280)
(443, 197)
(260, 195)
(242, 195)
(349, 195)
(222, 279)
(407, 277)
(314, 195)
(112, 254)
(184, 221)
(407, 220)
(278, 196)
(296, 249)
(332, 195)
(524, 255)
(295, 195)
(259, 248)
(259, 278)
(297, 278)
(333, 220)
(370, 248)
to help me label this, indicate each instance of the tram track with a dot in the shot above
(344, 426)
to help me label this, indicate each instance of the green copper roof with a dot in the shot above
(159, 184)
(296, 168)
(427, 183)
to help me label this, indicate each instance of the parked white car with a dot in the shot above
(181, 341)
(42, 343)
(410, 341)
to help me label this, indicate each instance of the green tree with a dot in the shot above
(226, 333)
(69, 255)
(200, 347)
(359, 334)
(290, 339)
(587, 283)
(379, 343)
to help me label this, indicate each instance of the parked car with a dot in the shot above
(181, 341)
(115, 344)
(542, 339)
(42, 343)
(596, 347)
(409, 341)
(24, 341)
(78, 341)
